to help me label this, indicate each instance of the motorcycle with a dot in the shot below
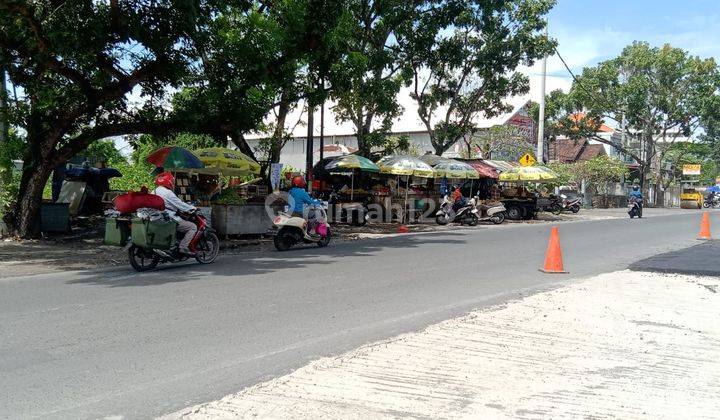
(634, 209)
(552, 204)
(571, 204)
(711, 200)
(465, 214)
(292, 230)
(490, 212)
(205, 247)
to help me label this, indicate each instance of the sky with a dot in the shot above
(591, 31)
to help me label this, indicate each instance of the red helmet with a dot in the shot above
(299, 182)
(165, 179)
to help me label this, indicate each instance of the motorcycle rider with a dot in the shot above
(165, 183)
(459, 200)
(637, 197)
(299, 198)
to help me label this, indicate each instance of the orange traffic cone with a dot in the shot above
(553, 257)
(403, 229)
(705, 228)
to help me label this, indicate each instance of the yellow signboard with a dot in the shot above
(689, 169)
(527, 160)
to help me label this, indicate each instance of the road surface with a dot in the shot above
(88, 345)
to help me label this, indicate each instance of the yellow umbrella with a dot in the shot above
(528, 173)
(230, 162)
(405, 166)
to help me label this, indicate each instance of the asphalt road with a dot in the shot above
(88, 345)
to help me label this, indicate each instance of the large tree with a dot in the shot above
(464, 56)
(74, 64)
(375, 72)
(656, 95)
(259, 59)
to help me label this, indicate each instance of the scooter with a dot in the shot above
(205, 246)
(571, 204)
(634, 209)
(292, 230)
(489, 212)
(466, 214)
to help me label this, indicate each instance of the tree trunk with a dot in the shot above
(27, 212)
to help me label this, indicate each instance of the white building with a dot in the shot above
(409, 123)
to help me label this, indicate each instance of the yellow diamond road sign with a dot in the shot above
(527, 160)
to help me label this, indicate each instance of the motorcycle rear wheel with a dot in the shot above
(556, 209)
(325, 241)
(209, 249)
(140, 259)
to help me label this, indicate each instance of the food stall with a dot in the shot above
(349, 202)
(519, 201)
(205, 177)
(402, 194)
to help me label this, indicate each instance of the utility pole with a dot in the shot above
(541, 116)
(309, 145)
(4, 127)
(322, 124)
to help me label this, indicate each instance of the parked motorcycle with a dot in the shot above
(466, 214)
(552, 204)
(293, 230)
(495, 212)
(634, 209)
(571, 204)
(205, 245)
(711, 200)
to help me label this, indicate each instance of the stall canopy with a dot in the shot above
(332, 150)
(170, 158)
(349, 163)
(450, 168)
(529, 174)
(228, 162)
(501, 165)
(404, 165)
(485, 170)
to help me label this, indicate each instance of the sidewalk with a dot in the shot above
(625, 345)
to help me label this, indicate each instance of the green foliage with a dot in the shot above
(463, 58)
(11, 149)
(105, 150)
(230, 196)
(135, 176)
(374, 73)
(597, 173)
(500, 142)
(663, 94)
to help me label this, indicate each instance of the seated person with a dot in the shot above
(299, 198)
(165, 183)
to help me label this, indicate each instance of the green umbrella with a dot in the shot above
(351, 163)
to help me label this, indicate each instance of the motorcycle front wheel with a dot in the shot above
(442, 219)
(283, 241)
(208, 249)
(498, 218)
(706, 204)
(142, 259)
(556, 209)
(575, 209)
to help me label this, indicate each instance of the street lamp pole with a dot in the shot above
(541, 116)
